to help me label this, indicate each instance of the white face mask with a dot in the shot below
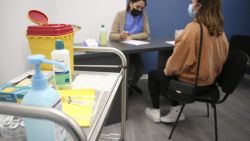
(191, 13)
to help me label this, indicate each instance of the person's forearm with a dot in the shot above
(140, 36)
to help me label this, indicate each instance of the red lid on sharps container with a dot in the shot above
(45, 29)
(38, 17)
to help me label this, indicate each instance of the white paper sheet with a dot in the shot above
(101, 82)
(170, 42)
(135, 42)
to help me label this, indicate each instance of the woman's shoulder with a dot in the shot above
(192, 25)
(122, 12)
(192, 28)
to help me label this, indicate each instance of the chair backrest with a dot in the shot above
(240, 42)
(233, 71)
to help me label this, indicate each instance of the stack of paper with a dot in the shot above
(171, 42)
(135, 42)
(78, 103)
(99, 82)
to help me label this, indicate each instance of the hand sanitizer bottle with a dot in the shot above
(60, 54)
(42, 96)
(103, 36)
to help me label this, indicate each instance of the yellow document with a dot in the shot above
(79, 104)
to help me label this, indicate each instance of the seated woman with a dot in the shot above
(132, 23)
(183, 62)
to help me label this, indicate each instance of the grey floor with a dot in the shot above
(233, 119)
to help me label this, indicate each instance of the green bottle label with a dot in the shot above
(62, 79)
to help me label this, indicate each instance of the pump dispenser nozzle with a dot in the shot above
(39, 81)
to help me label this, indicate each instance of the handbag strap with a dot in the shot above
(199, 55)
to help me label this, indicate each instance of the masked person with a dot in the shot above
(132, 23)
(183, 62)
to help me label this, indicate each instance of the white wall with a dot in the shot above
(13, 43)
(89, 14)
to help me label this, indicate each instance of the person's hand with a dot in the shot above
(129, 37)
(124, 35)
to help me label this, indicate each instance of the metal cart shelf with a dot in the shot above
(76, 132)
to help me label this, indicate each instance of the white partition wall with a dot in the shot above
(89, 14)
(13, 43)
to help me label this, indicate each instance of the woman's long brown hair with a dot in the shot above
(210, 15)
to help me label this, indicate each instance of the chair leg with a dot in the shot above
(215, 122)
(175, 124)
(207, 109)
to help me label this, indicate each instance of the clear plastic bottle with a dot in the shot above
(42, 96)
(60, 54)
(103, 36)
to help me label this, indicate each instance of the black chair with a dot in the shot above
(232, 73)
(242, 43)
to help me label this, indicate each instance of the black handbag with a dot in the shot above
(184, 92)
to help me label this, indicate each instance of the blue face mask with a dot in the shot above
(191, 13)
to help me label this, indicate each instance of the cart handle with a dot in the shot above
(44, 113)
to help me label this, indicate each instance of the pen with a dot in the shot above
(80, 102)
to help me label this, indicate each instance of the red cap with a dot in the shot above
(38, 17)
